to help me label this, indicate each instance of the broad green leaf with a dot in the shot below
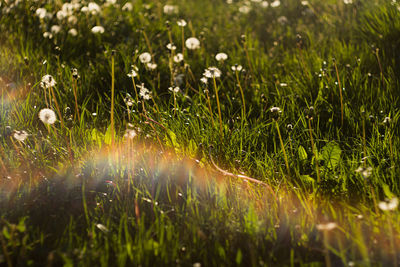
(302, 153)
(107, 136)
(331, 155)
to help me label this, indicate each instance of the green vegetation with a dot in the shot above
(199, 133)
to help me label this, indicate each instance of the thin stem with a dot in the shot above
(74, 87)
(340, 92)
(313, 150)
(112, 99)
(282, 146)
(218, 105)
(57, 107)
(209, 108)
(241, 92)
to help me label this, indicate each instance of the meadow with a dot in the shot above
(199, 133)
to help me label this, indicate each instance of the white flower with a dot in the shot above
(181, 23)
(133, 72)
(237, 68)
(174, 89)
(47, 116)
(204, 80)
(72, 20)
(102, 228)
(221, 57)
(264, 4)
(41, 13)
(178, 57)
(212, 72)
(94, 8)
(127, 7)
(304, 3)
(144, 92)
(244, 9)
(388, 206)
(170, 9)
(364, 171)
(151, 66)
(48, 81)
(145, 57)
(20, 135)
(73, 32)
(326, 227)
(192, 43)
(276, 3)
(48, 35)
(55, 29)
(98, 29)
(61, 15)
(171, 46)
(130, 134)
(348, 2)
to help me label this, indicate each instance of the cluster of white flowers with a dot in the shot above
(389, 205)
(212, 72)
(144, 92)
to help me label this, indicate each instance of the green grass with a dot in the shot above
(81, 192)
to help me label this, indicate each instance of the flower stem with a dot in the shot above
(313, 150)
(283, 147)
(218, 105)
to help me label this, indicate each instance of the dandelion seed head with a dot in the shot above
(98, 29)
(47, 116)
(237, 68)
(181, 23)
(178, 57)
(389, 205)
(221, 57)
(130, 134)
(48, 81)
(327, 226)
(170, 9)
(20, 135)
(145, 57)
(212, 72)
(192, 43)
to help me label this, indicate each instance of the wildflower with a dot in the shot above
(178, 57)
(364, 171)
(130, 134)
(264, 4)
(41, 13)
(144, 92)
(127, 7)
(73, 32)
(276, 112)
(348, 2)
(48, 35)
(237, 68)
(244, 9)
(20, 135)
(204, 80)
(47, 116)
(48, 81)
(98, 29)
(94, 8)
(55, 29)
(390, 205)
(192, 43)
(174, 89)
(133, 72)
(386, 121)
(102, 228)
(276, 3)
(171, 46)
(151, 66)
(145, 57)
(72, 20)
(221, 57)
(170, 9)
(181, 23)
(212, 72)
(326, 227)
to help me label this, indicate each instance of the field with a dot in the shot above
(199, 133)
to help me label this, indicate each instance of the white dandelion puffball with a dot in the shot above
(192, 43)
(275, 3)
(178, 57)
(130, 134)
(388, 206)
(327, 227)
(127, 7)
(133, 72)
(145, 57)
(98, 29)
(20, 135)
(47, 116)
(47, 81)
(151, 66)
(73, 32)
(237, 68)
(94, 8)
(170, 9)
(221, 57)
(55, 29)
(174, 89)
(212, 72)
(181, 23)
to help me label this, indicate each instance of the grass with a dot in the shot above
(207, 174)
